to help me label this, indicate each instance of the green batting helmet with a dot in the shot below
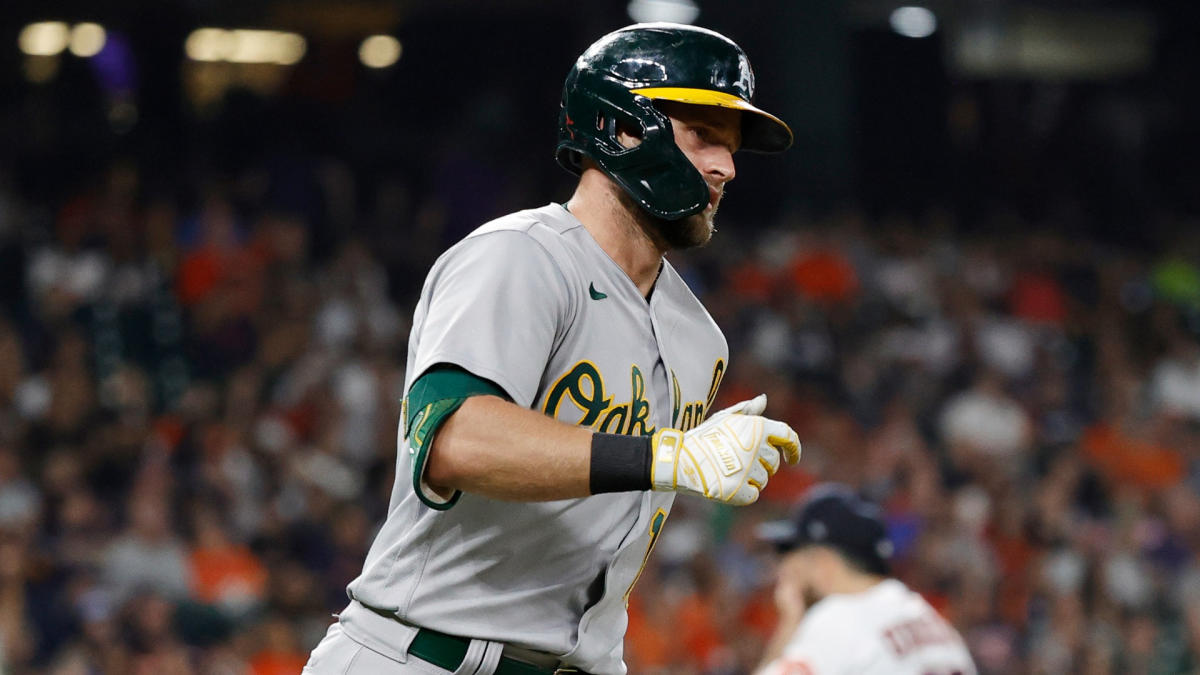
(617, 80)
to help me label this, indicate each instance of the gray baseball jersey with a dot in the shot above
(533, 303)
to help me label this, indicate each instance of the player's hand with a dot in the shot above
(728, 458)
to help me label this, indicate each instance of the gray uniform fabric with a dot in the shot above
(531, 302)
(339, 655)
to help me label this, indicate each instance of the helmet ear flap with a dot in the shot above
(641, 125)
(655, 172)
(652, 128)
(618, 110)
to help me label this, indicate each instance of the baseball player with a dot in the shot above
(840, 613)
(559, 380)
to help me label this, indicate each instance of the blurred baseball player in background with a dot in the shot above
(559, 379)
(840, 613)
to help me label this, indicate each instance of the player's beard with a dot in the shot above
(690, 232)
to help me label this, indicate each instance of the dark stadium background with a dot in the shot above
(973, 286)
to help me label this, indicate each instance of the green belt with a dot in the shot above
(448, 651)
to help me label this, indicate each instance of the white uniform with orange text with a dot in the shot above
(886, 630)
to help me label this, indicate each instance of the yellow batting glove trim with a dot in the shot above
(767, 465)
(664, 465)
(790, 449)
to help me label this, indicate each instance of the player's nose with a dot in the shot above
(719, 164)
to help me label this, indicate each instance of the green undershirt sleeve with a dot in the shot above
(436, 394)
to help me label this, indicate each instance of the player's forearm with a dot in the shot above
(497, 449)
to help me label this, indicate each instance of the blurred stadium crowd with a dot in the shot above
(199, 398)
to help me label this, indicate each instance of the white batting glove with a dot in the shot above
(728, 458)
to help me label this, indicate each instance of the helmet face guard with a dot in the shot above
(615, 83)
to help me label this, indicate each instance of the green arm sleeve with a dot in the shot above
(436, 394)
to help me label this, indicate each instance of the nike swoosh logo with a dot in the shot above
(596, 295)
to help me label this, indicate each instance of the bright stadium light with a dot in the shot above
(675, 11)
(45, 38)
(87, 39)
(244, 45)
(252, 46)
(379, 51)
(291, 48)
(913, 22)
(209, 44)
(266, 46)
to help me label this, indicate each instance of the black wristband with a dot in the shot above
(619, 463)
